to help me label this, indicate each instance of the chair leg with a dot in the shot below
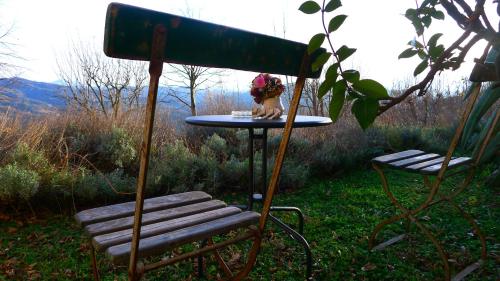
(300, 215)
(220, 260)
(200, 261)
(439, 247)
(95, 270)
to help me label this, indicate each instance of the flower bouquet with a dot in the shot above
(266, 91)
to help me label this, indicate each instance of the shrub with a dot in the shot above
(118, 148)
(173, 170)
(63, 181)
(234, 173)
(18, 182)
(27, 158)
(217, 146)
(207, 169)
(108, 186)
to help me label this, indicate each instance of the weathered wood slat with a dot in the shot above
(129, 29)
(414, 160)
(153, 204)
(397, 156)
(153, 217)
(104, 241)
(422, 165)
(158, 244)
(453, 164)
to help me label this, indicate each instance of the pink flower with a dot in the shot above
(259, 81)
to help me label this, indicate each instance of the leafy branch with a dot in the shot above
(436, 57)
(344, 85)
(369, 98)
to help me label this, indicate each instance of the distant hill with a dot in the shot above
(30, 96)
(40, 97)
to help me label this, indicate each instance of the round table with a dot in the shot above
(301, 121)
(229, 121)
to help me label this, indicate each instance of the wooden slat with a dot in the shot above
(397, 156)
(414, 160)
(422, 165)
(153, 217)
(453, 164)
(153, 204)
(158, 244)
(104, 241)
(129, 33)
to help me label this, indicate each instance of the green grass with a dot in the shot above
(340, 214)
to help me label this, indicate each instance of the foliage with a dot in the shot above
(118, 147)
(481, 120)
(17, 182)
(343, 84)
(172, 170)
(34, 160)
(110, 186)
(365, 94)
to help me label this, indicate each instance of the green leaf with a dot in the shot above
(344, 52)
(339, 87)
(422, 54)
(408, 53)
(371, 88)
(336, 22)
(315, 42)
(433, 40)
(351, 75)
(332, 5)
(320, 61)
(436, 51)
(495, 139)
(419, 27)
(309, 7)
(325, 87)
(420, 67)
(331, 73)
(352, 94)
(411, 14)
(438, 15)
(485, 102)
(337, 102)
(416, 44)
(365, 111)
(426, 21)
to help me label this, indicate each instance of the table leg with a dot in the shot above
(297, 236)
(264, 163)
(250, 168)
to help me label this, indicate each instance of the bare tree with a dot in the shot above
(96, 83)
(190, 79)
(9, 58)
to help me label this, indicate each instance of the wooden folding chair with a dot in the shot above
(131, 231)
(441, 168)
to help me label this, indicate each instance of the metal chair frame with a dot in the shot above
(434, 197)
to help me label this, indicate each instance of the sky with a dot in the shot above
(43, 30)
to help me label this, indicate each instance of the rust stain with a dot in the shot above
(175, 22)
(114, 11)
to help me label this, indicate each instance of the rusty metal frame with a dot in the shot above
(434, 197)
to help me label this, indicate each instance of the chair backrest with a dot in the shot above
(129, 33)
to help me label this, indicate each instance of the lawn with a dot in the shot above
(340, 214)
